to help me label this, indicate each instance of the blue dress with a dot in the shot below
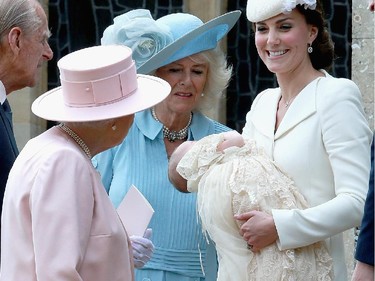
(141, 159)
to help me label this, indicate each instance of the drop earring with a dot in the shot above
(309, 49)
(114, 127)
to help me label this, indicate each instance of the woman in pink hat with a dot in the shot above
(57, 221)
(313, 126)
(185, 52)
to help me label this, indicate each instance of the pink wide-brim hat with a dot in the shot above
(99, 83)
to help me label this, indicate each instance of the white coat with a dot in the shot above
(323, 143)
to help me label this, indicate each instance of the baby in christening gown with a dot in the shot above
(232, 176)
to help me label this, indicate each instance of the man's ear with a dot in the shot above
(14, 38)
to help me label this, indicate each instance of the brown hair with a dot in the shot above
(323, 47)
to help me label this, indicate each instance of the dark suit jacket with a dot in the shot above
(8, 151)
(365, 245)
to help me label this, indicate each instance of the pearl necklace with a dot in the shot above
(76, 138)
(173, 135)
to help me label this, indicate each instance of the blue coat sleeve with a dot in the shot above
(365, 245)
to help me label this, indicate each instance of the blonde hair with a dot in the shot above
(219, 75)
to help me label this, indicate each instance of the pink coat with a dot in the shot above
(58, 222)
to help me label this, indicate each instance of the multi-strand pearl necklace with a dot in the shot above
(76, 138)
(173, 135)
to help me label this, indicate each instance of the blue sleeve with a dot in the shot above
(220, 128)
(365, 245)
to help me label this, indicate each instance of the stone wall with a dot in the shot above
(363, 69)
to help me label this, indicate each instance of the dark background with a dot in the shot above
(78, 24)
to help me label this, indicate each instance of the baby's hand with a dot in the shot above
(231, 138)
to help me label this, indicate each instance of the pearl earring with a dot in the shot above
(202, 95)
(114, 127)
(309, 49)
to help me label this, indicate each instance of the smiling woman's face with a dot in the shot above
(282, 41)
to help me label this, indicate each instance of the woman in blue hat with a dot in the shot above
(184, 51)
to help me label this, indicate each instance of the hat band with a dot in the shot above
(94, 93)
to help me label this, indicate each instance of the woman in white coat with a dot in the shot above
(313, 126)
(57, 221)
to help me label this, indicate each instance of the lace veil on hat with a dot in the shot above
(260, 10)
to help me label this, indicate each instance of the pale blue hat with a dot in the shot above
(168, 39)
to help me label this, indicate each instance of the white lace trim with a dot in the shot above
(244, 184)
(289, 5)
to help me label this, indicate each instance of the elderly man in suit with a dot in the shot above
(24, 47)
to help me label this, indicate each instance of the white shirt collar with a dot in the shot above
(3, 95)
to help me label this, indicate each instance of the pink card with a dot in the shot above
(135, 212)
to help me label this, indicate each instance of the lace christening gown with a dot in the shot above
(236, 181)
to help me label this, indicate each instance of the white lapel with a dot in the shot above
(264, 113)
(303, 106)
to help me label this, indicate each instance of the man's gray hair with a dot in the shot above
(18, 13)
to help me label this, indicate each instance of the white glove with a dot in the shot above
(142, 248)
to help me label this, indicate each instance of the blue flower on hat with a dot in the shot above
(140, 32)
